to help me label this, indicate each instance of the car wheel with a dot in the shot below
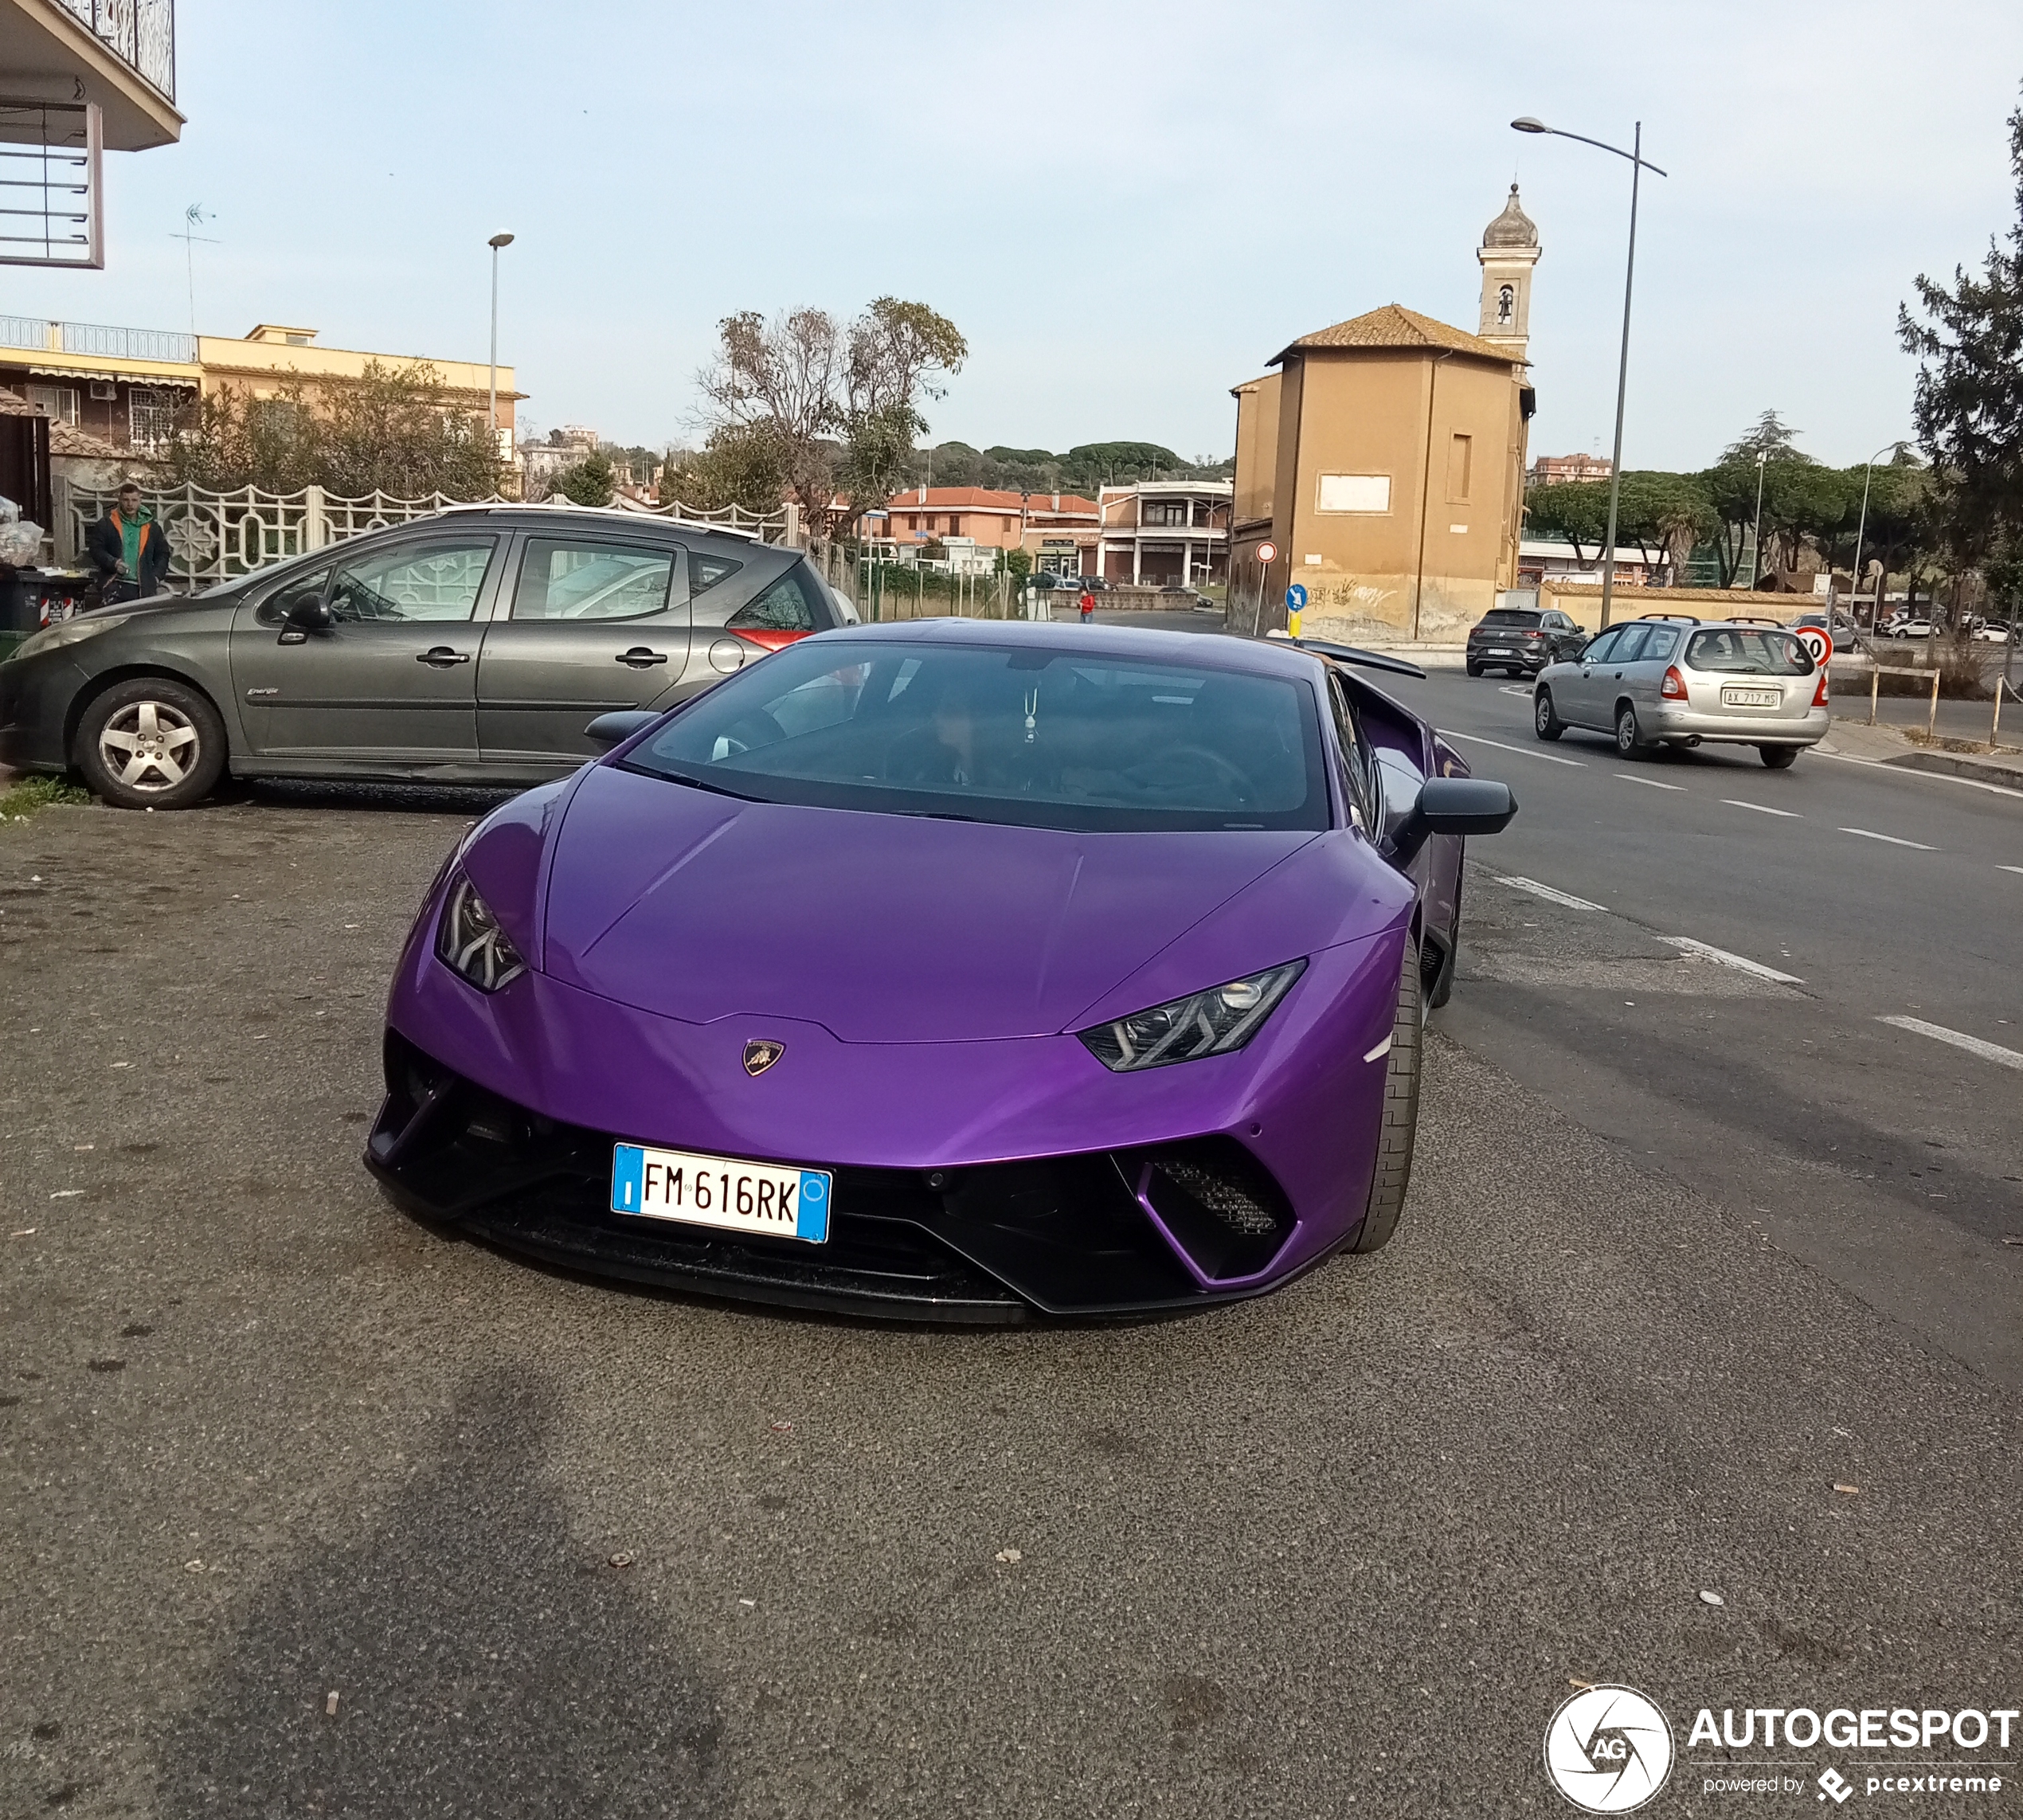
(1401, 1114)
(1779, 758)
(1473, 667)
(1545, 719)
(150, 742)
(1628, 740)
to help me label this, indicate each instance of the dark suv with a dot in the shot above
(1522, 641)
(472, 646)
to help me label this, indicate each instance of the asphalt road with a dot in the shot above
(560, 1549)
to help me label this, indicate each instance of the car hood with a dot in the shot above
(881, 928)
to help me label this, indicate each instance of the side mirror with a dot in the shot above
(304, 617)
(617, 727)
(1453, 805)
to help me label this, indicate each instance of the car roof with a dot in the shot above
(1215, 650)
(520, 513)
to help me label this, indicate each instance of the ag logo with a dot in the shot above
(761, 1055)
(1608, 1750)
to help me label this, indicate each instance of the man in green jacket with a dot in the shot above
(128, 548)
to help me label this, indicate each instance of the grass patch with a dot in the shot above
(30, 794)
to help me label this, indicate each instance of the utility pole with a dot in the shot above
(491, 405)
(1756, 536)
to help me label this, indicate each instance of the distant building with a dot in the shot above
(1158, 532)
(1054, 529)
(1383, 461)
(1546, 559)
(1556, 470)
(540, 462)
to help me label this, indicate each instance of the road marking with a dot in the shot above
(1522, 751)
(1761, 809)
(1895, 840)
(1973, 1045)
(1930, 777)
(1721, 954)
(1552, 896)
(1523, 689)
(2009, 868)
(1631, 777)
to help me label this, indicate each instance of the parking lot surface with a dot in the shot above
(311, 1511)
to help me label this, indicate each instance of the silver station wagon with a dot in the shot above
(1671, 680)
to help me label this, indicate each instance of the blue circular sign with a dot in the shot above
(1296, 599)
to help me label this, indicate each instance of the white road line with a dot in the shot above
(1523, 689)
(1930, 777)
(1761, 809)
(1631, 777)
(1973, 1045)
(1895, 840)
(1727, 960)
(2009, 868)
(1552, 896)
(1522, 751)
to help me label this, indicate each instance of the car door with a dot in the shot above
(1614, 677)
(1644, 676)
(1575, 693)
(591, 621)
(1566, 637)
(388, 682)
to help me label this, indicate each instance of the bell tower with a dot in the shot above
(1509, 251)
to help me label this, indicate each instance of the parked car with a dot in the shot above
(1919, 627)
(1095, 584)
(1093, 972)
(1180, 594)
(1993, 631)
(472, 646)
(1683, 682)
(1521, 641)
(1845, 633)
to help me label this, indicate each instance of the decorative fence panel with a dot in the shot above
(217, 536)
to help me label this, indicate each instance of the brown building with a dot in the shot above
(1384, 459)
(1056, 528)
(1159, 532)
(1559, 470)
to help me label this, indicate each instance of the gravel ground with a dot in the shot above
(554, 1547)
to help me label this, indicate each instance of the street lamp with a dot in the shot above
(1874, 603)
(1756, 536)
(1638, 165)
(492, 402)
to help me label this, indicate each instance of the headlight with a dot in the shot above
(67, 631)
(469, 940)
(1212, 1022)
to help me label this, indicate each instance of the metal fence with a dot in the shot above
(140, 33)
(43, 335)
(215, 536)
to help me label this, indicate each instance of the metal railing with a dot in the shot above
(140, 33)
(100, 339)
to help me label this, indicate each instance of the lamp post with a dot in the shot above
(1638, 165)
(1862, 526)
(492, 402)
(1756, 536)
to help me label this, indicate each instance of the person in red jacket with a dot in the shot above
(1087, 603)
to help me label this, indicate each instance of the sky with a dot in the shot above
(1127, 209)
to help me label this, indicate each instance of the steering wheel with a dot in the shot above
(1181, 757)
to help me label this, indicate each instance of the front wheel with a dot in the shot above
(150, 743)
(1545, 719)
(1779, 758)
(1400, 1113)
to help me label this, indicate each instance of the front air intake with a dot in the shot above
(1220, 1204)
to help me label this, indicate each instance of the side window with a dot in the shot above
(1602, 650)
(575, 579)
(291, 593)
(1659, 647)
(705, 570)
(790, 604)
(1361, 792)
(1630, 647)
(412, 582)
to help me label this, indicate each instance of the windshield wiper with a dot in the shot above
(693, 783)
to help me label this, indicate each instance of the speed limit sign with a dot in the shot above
(1819, 647)
(1267, 553)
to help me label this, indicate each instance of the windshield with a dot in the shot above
(1746, 650)
(1029, 735)
(1509, 616)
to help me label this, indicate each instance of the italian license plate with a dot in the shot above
(1750, 699)
(699, 1190)
(1497, 654)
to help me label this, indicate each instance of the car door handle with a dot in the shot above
(639, 658)
(441, 657)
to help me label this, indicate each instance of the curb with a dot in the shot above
(1952, 765)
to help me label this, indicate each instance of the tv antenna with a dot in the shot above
(193, 217)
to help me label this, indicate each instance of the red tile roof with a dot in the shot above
(1393, 326)
(958, 499)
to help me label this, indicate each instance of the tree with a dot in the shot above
(1769, 436)
(396, 430)
(1968, 405)
(593, 481)
(1667, 516)
(812, 380)
(738, 467)
(1576, 511)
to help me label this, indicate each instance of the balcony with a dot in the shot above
(153, 346)
(140, 33)
(117, 54)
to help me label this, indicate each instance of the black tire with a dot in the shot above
(1401, 1113)
(1779, 758)
(1629, 742)
(173, 736)
(1545, 719)
(1472, 667)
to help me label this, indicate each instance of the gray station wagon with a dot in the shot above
(471, 646)
(1677, 681)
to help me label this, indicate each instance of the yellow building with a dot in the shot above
(1384, 462)
(129, 387)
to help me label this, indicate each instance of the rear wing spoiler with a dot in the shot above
(1350, 654)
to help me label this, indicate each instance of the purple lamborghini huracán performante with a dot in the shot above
(948, 970)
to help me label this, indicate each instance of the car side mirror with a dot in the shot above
(304, 617)
(1453, 805)
(614, 729)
